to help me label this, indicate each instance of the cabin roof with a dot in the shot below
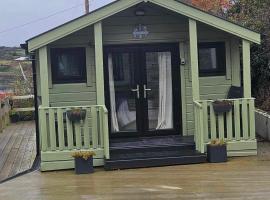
(120, 5)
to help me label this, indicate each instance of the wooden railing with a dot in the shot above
(199, 127)
(236, 125)
(4, 113)
(58, 133)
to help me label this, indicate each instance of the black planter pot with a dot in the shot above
(76, 116)
(14, 118)
(83, 166)
(216, 153)
(220, 108)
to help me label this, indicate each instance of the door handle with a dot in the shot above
(137, 90)
(145, 90)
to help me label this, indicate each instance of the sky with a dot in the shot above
(23, 19)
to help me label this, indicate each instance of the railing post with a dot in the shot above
(244, 118)
(106, 134)
(86, 129)
(196, 126)
(60, 129)
(252, 119)
(100, 128)
(70, 138)
(201, 131)
(199, 127)
(43, 129)
(52, 129)
(205, 121)
(94, 127)
(237, 120)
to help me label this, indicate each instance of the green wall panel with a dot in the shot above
(163, 26)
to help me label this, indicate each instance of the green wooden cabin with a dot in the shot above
(142, 69)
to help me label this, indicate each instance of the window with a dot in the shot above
(68, 65)
(212, 59)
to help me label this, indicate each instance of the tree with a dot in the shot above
(213, 6)
(255, 15)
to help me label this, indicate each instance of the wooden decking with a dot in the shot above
(240, 178)
(17, 149)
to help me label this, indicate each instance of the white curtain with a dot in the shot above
(124, 115)
(214, 58)
(114, 122)
(165, 113)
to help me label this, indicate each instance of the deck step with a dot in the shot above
(151, 148)
(154, 162)
(153, 152)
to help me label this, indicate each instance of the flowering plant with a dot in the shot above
(83, 154)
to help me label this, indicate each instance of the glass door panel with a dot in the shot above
(142, 90)
(158, 90)
(123, 92)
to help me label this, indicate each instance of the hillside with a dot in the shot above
(10, 53)
(10, 73)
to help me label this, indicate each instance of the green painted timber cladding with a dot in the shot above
(163, 26)
(76, 94)
(211, 87)
(43, 69)
(120, 5)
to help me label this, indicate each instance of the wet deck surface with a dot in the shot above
(17, 149)
(240, 178)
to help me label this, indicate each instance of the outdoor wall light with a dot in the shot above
(140, 12)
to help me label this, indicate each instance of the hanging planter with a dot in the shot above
(83, 161)
(76, 115)
(217, 151)
(221, 107)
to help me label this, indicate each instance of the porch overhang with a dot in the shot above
(120, 5)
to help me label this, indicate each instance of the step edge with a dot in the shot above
(160, 158)
(151, 146)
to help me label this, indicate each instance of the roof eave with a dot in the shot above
(209, 19)
(120, 5)
(79, 23)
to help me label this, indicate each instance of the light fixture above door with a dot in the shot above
(139, 12)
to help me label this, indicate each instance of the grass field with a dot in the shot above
(10, 72)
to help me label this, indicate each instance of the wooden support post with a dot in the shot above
(246, 68)
(99, 63)
(193, 41)
(183, 90)
(44, 80)
(235, 62)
